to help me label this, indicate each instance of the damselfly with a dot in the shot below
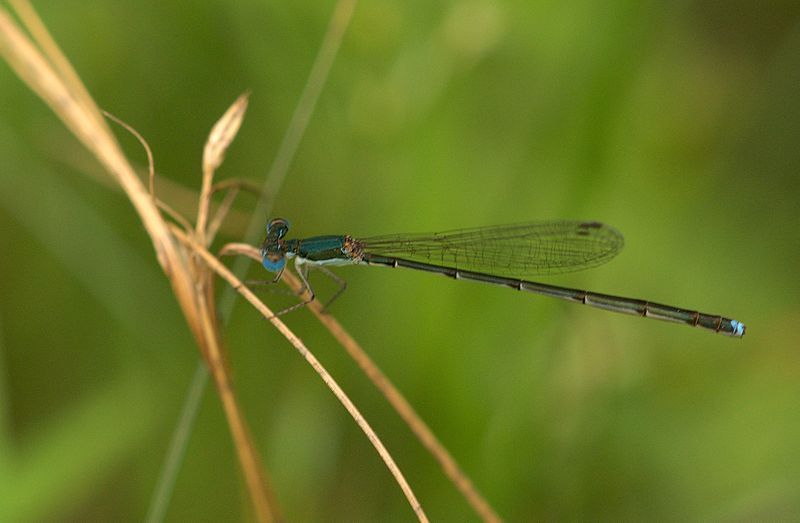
(503, 255)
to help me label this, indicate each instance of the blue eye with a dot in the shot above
(275, 265)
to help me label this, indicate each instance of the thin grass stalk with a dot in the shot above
(62, 90)
(214, 264)
(392, 394)
(340, 20)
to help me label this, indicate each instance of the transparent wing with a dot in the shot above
(517, 250)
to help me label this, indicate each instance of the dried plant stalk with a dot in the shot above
(220, 138)
(404, 409)
(53, 79)
(265, 311)
(56, 82)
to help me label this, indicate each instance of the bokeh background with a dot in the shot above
(678, 123)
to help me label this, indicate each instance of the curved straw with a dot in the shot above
(389, 391)
(50, 75)
(217, 266)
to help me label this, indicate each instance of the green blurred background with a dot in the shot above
(678, 123)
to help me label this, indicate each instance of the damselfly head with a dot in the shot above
(277, 229)
(273, 250)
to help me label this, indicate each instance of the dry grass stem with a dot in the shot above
(217, 266)
(450, 467)
(151, 172)
(50, 49)
(151, 169)
(220, 138)
(49, 74)
(183, 254)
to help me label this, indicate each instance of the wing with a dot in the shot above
(517, 250)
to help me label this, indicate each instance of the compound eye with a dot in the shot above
(274, 262)
(277, 228)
